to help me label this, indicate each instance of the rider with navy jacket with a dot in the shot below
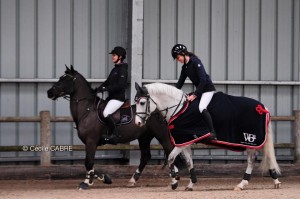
(115, 85)
(193, 69)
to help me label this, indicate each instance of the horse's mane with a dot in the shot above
(160, 88)
(74, 72)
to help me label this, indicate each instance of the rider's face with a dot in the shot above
(180, 58)
(114, 58)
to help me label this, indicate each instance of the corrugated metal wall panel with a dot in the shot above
(236, 40)
(37, 39)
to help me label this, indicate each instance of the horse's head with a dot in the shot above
(144, 105)
(64, 86)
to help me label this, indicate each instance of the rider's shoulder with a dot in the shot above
(195, 60)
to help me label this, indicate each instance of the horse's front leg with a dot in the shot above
(90, 150)
(187, 153)
(173, 169)
(144, 145)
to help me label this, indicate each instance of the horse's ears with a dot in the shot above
(137, 87)
(72, 68)
(141, 90)
(67, 68)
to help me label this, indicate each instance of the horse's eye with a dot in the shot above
(142, 103)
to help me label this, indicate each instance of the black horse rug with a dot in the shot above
(239, 122)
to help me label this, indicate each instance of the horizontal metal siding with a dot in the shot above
(37, 39)
(236, 40)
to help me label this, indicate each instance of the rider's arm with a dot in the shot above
(181, 79)
(201, 73)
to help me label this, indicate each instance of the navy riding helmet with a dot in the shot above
(178, 49)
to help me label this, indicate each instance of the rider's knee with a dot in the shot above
(105, 113)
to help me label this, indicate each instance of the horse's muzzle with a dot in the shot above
(51, 95)
(138, 122)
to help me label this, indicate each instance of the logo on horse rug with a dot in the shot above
(239, 122)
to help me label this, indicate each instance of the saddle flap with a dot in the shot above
(122, 116)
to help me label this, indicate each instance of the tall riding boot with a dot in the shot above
(207, 118)
(113, 137)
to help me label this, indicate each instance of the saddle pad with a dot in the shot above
(122, 116)
(239, 122)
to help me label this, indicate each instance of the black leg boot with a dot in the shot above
(207, 118)
(113, 137)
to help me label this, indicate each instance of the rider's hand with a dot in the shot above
(191, 97)
(101, 89)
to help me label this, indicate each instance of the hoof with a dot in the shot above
(237, 188)
(277, 186)
(131, 184)
(83, 186)
(174, 186)
(106, 179)
(188, 189)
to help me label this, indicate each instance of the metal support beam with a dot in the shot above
(136, 41)
(297, 136)
(137, 34)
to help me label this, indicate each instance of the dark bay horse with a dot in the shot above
(83, 103)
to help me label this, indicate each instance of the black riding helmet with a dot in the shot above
(120, 51)
(178, 49)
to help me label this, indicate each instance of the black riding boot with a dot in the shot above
(207, 118)
(113, 137)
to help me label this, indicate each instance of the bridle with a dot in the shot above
(147, 113)
(147, 110)
(71, 98)
(67, 96)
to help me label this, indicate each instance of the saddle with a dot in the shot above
(122, 116)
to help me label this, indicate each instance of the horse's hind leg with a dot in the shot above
(247, 174)
(187, 153)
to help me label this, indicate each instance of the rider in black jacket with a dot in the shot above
(193, 69)
(115, 85)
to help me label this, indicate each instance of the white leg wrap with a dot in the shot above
(88, 182)
(174, 181)
(87, 178)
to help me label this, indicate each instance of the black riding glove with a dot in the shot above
(101, 89)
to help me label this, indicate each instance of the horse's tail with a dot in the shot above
(269, 158)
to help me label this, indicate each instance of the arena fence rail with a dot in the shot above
(45, 119)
